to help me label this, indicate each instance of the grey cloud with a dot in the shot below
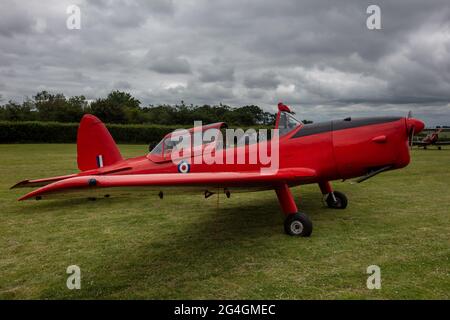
(121, 85)
(216, 73)
(209, 93)
(316, 55)
(13, 20)
(149, 7)
(265, 80)
(126, 14)
(170, 65)
(160, 6)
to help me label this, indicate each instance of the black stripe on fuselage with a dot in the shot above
(321, 127)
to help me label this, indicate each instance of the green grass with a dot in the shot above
(186, 247)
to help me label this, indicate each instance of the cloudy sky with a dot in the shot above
(317, 56)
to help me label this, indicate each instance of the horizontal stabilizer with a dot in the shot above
(40, 182)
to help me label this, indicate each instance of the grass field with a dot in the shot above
(186, 247)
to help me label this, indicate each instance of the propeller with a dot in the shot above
(409, 114)
(411, 131)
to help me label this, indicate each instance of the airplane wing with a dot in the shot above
(104, 186)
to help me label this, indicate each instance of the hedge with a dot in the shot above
(56, 132)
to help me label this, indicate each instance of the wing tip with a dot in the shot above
(20, 184)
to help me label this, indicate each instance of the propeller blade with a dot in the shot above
(411, 132)
(411, 137)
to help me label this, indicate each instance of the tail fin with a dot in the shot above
(95, 145)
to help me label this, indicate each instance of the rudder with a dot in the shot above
(96, 147)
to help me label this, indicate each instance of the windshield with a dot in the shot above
(170, 142)
(156, 150)
(287, 123)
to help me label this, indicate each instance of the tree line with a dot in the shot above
(122, 108)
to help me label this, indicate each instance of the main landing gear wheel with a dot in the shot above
(339, 201)
(298, 224)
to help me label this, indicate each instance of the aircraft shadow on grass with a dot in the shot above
(216, 242)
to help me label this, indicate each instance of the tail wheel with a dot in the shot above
(298, 224)
(339, 201)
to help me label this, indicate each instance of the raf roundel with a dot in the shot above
(184, 167)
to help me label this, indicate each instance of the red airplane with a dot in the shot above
(432, 140)
(313, 153)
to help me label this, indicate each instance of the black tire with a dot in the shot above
(298, 224)
(340, 203)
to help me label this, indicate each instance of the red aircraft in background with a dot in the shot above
(432, 140)
(313, 153)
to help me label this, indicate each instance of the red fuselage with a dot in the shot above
(339, 149)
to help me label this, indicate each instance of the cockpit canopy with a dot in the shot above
(285, 122)
(162, 151)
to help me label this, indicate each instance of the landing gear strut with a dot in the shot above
(337, 200)
(296, 223)
(334, 199)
